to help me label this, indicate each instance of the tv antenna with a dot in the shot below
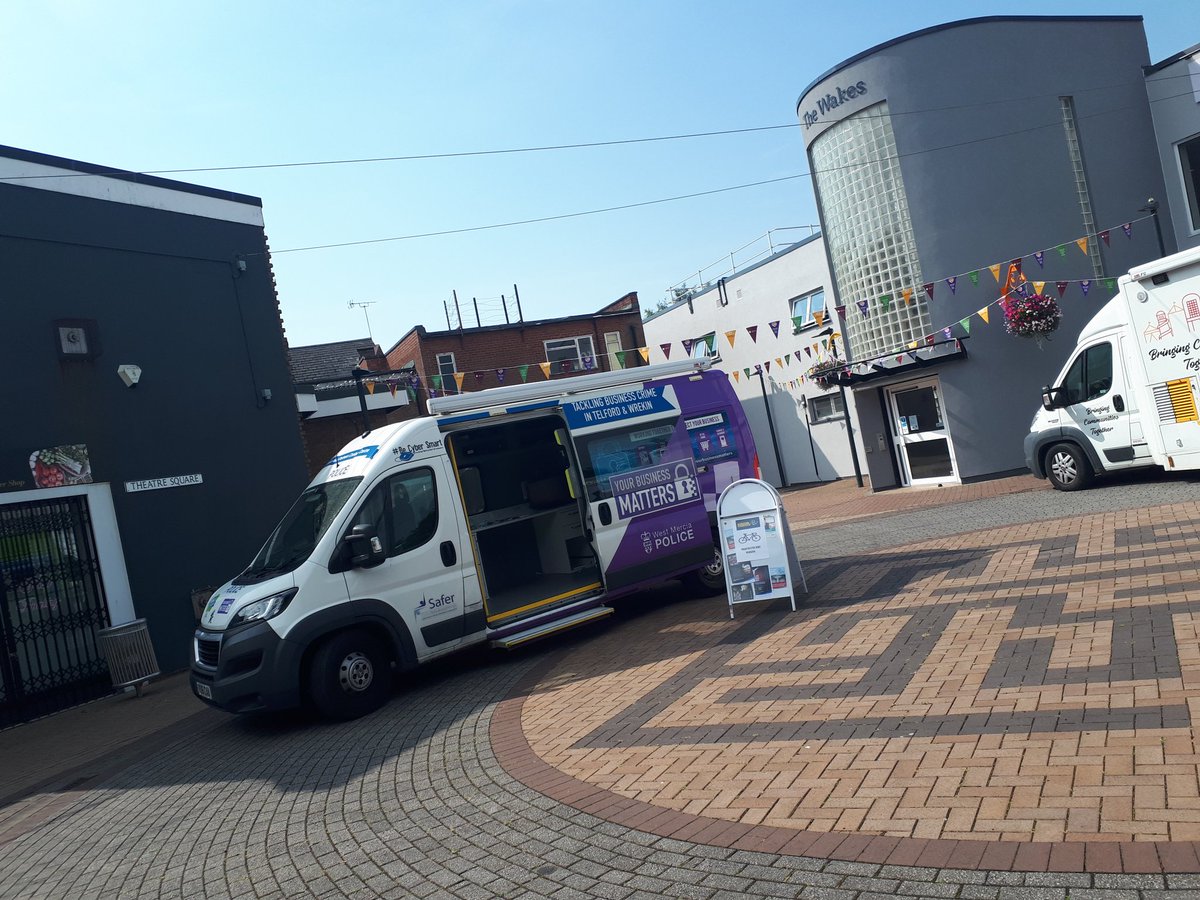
(363, 304)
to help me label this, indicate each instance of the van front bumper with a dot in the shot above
(247, 669)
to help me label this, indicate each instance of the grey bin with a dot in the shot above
(129, 654)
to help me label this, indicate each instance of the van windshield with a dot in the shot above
(294, 538)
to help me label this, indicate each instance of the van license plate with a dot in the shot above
(203, 690)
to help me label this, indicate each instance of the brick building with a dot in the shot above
(469, 359)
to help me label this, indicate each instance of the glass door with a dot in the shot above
(923, 447)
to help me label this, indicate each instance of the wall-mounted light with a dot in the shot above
(76, 339)
(129, 374)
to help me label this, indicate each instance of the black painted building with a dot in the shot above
(148, 431)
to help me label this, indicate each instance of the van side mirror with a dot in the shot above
(366, 550)
(1049, 398)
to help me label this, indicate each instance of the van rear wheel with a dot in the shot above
(1067, 468)
(708, 580)
(349, 675)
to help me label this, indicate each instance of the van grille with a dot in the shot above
(208, 651)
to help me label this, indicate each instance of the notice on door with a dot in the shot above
(654, 488)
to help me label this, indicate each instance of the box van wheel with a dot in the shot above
(709, 579)
(349, 675)
(1067, 468)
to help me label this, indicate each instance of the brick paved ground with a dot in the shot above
(413, 801)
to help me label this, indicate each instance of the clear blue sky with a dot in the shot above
(148, 86)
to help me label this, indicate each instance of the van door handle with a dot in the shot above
(1118, 403)
(605, 514)
(449, 556)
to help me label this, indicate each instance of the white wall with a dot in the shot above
(758, 296)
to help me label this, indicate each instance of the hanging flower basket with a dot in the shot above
(1035, 316)
(825, 374)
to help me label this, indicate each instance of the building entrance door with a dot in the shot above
(51, 604)
(923, 447)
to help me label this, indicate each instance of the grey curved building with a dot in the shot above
(950, 150)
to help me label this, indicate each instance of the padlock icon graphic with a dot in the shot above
(685, 483)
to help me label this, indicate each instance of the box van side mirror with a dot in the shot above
(366, 550)
(1049, 398)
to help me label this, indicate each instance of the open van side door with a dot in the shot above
(645, 506)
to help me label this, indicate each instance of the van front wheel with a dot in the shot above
(709, 580)
(349, 675)
(1067, 468)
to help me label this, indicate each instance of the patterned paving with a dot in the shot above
(1039, 683)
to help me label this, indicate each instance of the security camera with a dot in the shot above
(130, 374)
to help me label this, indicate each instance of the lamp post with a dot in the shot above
(771, 425)
(829, 332)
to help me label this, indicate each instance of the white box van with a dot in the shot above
(1127, 397)
(506, 515)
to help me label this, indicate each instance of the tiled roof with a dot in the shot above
(328, 362)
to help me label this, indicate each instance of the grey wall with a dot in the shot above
(975, 110)
(163, 292)
(1174, 95)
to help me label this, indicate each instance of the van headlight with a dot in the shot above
(266, 608)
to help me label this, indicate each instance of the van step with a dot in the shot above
(522, 637)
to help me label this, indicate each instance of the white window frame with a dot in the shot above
(577, 360)
(706, 347)
(835, 413)
(612, 344)
(449, 386)
(801, 308)
(1191, 189)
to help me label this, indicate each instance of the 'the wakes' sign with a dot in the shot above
(831, 101)
(157, 484)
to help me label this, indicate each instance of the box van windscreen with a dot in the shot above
(294, 538)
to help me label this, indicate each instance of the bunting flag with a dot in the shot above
(808, 351)
(1039, 287)
(1128, 229)
(787, 359)
(995, 270)
(644, 353)
(912, 345)
(1085, 286)
(478, 379)
(953, 282)
(687, 346)
(736, 375)
(729, 336)
(841, 311)
(392, 387)
(1062, 249)
(434, 394)
(907, 294)
(983, 314)
(767, 365)
(621, 358)
(545, 367)
(862, 306)
(458, 379)
(589, 362)
(1062, 288)
(819, 317)
(774, 327)
(500, 372)
(965, 324)
(929, 340)
(948, 333)
(885, 301)
(666, 349)
(1104, 237)
(436, 381)
(752, 330)
(974, 276)
(929, 289)
(779, 362)
(1082, 243)
(1110, 284)
(1016, 264)
(1040, 256)
(370, 386)
(523, 371)
(747, 371)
